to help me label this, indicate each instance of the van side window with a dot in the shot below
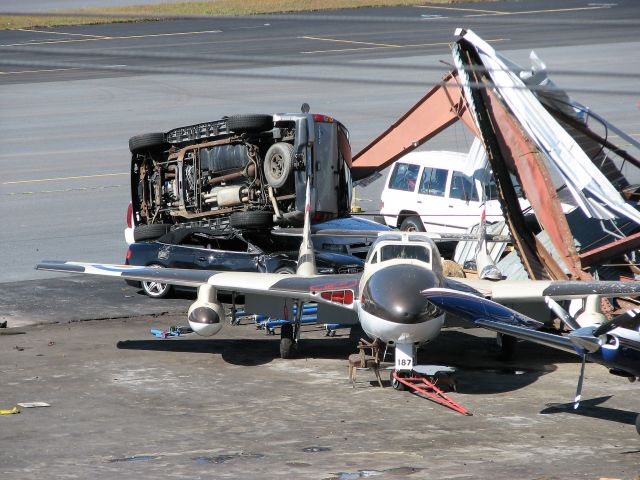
(490, 189)
(462, 187)
(404, 177)
(433, 181)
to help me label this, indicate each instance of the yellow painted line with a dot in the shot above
(58, 179)
(65, 190)
(40, 71)
(354, 42)
(439, 44)
(123, 37)
(556, 10)
(44, 70)
(51, 32)
(458, 9)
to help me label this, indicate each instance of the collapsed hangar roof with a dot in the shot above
(557, 148)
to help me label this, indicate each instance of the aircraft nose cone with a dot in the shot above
(393, 293)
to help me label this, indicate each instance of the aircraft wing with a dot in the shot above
(536, 290)
(329, 289)
(494, 316)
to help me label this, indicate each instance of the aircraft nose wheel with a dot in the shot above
(395, 383)
(287, 344)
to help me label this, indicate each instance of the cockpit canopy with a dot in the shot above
(411, 252)
(405, 246)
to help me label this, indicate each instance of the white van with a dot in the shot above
(440, 191)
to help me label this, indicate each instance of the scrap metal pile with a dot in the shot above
(559, 151)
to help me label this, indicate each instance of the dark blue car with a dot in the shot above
(207, 249)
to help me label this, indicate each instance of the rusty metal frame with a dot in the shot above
(441, 107)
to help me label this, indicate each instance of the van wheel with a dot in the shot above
(147, 141)
(250, 123)
(150, 231)
(278, 163)
(253, 219)
(412, 224)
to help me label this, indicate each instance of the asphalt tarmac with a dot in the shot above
(72, 96)
(124, 404)
(127, 405)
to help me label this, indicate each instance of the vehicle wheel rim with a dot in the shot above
(155, 288)
(277, 166)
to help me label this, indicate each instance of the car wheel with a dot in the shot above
(249, 123)
(278, 164)
(150, 232)
(147, 141)
(285, 270)
(156, 289)
(255, 219)
(412, 224)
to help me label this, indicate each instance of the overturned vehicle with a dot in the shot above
(243, 171)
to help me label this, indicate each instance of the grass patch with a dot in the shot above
(213, 7)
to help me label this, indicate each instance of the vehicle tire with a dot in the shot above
(287, 345)
(249, 123)
(150, 232)
(638, 424)
(412, 224)
(147, 141)
(356, 332)
(278, 164)
(507, 347)
(254, 219)
(396, 384)
(156, 289)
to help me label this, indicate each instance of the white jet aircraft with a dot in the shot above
(400, 297)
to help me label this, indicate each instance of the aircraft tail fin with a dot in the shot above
(306, 257)
(485, 265)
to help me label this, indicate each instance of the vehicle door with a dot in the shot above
(176, 256)
(431, 199)
(327, 168)
(227, 254)
(464, 205)
(400, 192)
